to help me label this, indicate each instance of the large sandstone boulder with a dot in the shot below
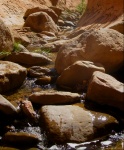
(49, 98)
(74, 124)
(6, 39)
(41, 21)
(28, 58)
(78, 73)
(104, 46)
(6, 107)
(105, 89)
(11, 76)
(49, 11)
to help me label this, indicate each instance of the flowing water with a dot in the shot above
(113, 141)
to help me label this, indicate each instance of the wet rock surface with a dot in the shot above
(74, 124)
(88, 123)
(54, 98)
(6, 107)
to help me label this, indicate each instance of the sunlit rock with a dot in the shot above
(70, 123)
(11, 76)
(104, 89)
(49, 98)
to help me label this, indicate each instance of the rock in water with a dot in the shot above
(70, 123)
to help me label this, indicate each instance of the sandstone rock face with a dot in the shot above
(28, 58)
(49, 11)
(6, 107)
(69, 4)
(78, 73)
(105, 89)
(54, 98)
(73, 123)
(103, 46)
(6, 39)
(11, 76)
(41, 21)
(12, 12)
(101, 13)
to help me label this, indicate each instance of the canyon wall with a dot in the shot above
(102, 13)
(12, 11)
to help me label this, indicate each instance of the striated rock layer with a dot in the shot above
(102, 13)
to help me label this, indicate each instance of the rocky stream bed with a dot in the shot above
(64, 90)
(26, 132)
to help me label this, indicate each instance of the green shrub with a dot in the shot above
(81, 7)
(42, 50)
(4, 53)
(16, 47)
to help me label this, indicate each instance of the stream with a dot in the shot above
(113, 141)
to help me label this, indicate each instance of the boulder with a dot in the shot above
(6, 107)
(6, 39)
(41, 21)
(57, 10)
(78, 73)
(71, 123)
(54, 46)
(106, 90)
(28, 58)
(44, 80)
(11, 76)
(37, 71)
(104, 46)
(61, 22)
(23, 138)
(28, 110)
(49, 11)
(49, 98)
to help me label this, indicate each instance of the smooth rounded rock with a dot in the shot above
(70, 123)
(49, 98)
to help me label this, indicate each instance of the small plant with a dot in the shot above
(16, 47)
(81, 7)
(4, 53)
(42, 50)
(46, 49)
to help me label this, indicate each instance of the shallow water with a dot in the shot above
(113, 141)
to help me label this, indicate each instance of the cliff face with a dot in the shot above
(102, 13)
(12, 11)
